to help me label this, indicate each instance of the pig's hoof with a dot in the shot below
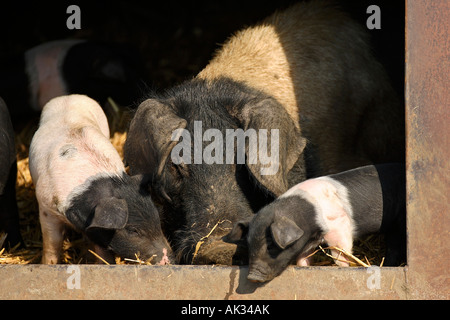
(219, 252)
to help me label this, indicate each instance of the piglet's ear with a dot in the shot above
(239, 231)
(285, 231)
(110, 214)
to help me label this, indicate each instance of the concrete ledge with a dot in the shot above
(197, 282)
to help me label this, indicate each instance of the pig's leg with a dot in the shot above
(342, 240)
(52, 237)
(304, 259)
(303, 262)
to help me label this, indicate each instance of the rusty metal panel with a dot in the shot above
(428, 147)
(197, 282)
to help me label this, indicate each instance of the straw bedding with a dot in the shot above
(369, 251)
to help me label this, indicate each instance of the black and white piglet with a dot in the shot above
(334, 209)
(9, 216)
(80, 181)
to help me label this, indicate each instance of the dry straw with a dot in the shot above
(75, 247)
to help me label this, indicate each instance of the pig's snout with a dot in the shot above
(161, 257)
(165, 258)
(256, 275)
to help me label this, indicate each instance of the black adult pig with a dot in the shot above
(80, 181)
(306, 72)
(334, 209)
(9, 216)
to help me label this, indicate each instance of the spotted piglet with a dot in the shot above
(334, 209)
(80, 181)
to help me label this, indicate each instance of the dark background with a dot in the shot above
(176, 39)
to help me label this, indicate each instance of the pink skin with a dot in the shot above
(334, 214)
(49, 81)
(303, 262)
(44, 70)
(165, 258)
(68, 123)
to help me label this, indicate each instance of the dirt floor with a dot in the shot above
(175, 41)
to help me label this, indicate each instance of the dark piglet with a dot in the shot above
(334, 209)
(9, 216)
(125, 221)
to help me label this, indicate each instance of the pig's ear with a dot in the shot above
(269, 114)
(238, 232)
(110, 214)
(285, 231)
(149, 140)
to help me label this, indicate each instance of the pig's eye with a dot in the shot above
(179, 170)
(133, 230)
(271, 244)
(272, 247)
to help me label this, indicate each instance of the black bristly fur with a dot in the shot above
(142, 233)
(194, 207)
(237, 194)
(9, 215)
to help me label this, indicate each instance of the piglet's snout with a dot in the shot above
(158, 257)
(165, 259)
(258, 272)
